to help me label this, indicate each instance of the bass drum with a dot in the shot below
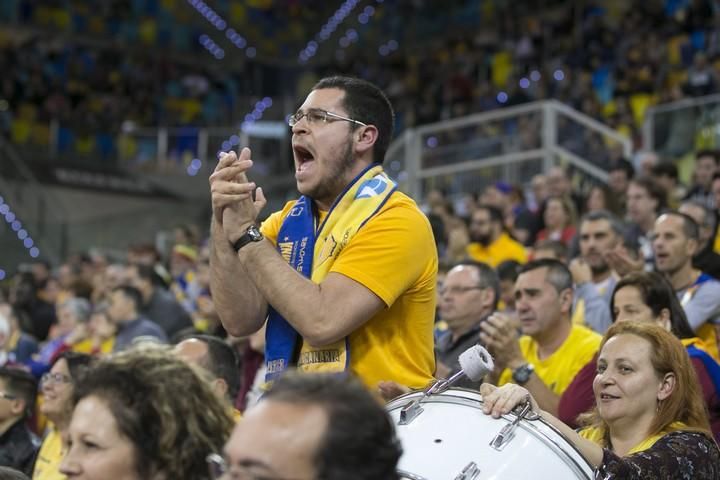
(452, 439)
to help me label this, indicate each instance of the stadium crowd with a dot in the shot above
(57, 321)
(600, 305)
(618, 60)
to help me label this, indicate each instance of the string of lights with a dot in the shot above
(17, 227)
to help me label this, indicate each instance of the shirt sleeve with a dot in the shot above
(704, 305)
(678, 455)
(391, 253)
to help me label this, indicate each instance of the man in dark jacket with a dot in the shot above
(18, 445)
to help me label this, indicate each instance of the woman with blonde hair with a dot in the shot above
(144, 415)
(560, 217)
(650, 421)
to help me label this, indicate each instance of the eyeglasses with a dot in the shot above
(457, 290)
(219, 469)
(315, 115)
(50, 377)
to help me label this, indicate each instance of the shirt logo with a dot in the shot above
(372, 188)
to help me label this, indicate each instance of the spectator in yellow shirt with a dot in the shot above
(57, 387)
(490, 243)
(552, 349)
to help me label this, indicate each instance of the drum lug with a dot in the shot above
(506, 433)
(470, 472)
(409, 412)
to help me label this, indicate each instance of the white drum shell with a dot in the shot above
(452, 431)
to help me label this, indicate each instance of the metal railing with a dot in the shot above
(676, 129)
(511, 144)
(36, 206)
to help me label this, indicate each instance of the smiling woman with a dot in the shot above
(57, 388)
(650, 421)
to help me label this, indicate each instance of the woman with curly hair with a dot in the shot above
(144, 414)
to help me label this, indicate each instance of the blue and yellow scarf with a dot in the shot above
(312, 250)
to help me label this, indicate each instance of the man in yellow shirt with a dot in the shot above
(346, 274)
(491, 244)
(551, 351)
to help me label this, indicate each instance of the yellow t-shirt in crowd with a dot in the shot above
(504, 248)
(394, 256)
(47, 465)
(558, 370)
(86, 346)
(597, 435)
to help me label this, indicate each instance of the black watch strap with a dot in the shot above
(522, 374)
(252, 234)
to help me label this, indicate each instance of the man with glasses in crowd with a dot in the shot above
(468, 296)
(345, 275)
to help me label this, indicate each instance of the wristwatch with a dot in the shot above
(252, 234)
(521, 374)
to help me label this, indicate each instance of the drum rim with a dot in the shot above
(528, 426)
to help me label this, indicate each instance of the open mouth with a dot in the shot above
(303, 156)
(607, 396)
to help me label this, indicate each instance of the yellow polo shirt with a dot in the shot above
(504, 248)
(394, 256)
(559, 369)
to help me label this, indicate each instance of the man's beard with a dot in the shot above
(600, 269)
(483, 239)
(336, 182)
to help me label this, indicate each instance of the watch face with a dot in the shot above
(254, 234)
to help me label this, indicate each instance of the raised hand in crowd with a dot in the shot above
(622, 263)
(499, 334)
(229, 186)
(580, 270)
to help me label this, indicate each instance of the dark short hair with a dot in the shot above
(360, 441)
(654, 190)
(556, 246)
(665, 169)
(147, 272)
(709, 219)
(615, 223)
(708, 153)
(368, 104)
(132, 293)
(558, 275)
(690, 227)
(222, 361)
(508, 270)
(487, 275)
(657, 294)
(625, 166)
(495, 213)
(22, 385)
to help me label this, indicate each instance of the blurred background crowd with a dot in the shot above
(81, 79)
